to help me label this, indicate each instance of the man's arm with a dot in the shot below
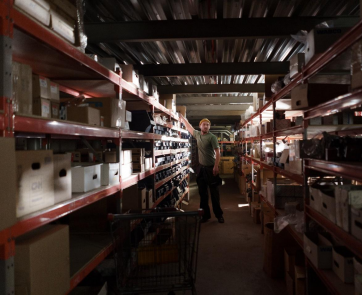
(187, 124)
(217, 161)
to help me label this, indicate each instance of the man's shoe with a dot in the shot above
(221, 219)
(203, 220)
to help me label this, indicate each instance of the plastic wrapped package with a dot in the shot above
(301, 37)
(286, 79)
(296, 220)
(22, 89)
(276, 86)
(81, 37)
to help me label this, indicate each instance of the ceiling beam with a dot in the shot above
(201, 108)
(213, 88)
(195, 100)
(211, 69)
(201, 29)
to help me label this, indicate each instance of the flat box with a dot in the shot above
(306, 96)
(343, 264)
(126, 170)
(149, 198)
(62, 27)
(84, 114)
(296, 63)
(126, 156)
(35, 174)
(133, 198)
(86, 177)
(54, 110)
(130, 75)
(42, 261)
(7, 182)
(110, 174)
(355, 200)
(41, 87)
(181, 110)
(41, 107)
(22, 86)
(38, 9)
(62, 177)
(168, 101)
(319, 40)
(342, 195)
(300, 280)
(110, 157)
(112, 109)
(289, 282)
(128, 116)
(292, 257)
(318, 250)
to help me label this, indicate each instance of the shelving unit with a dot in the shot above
(24, 40)
(313, 167)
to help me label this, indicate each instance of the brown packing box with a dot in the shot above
(110, 157)
(42, 261)
(41, 87)
(300, 280)
(54, 91)
(22, 85)
(308, 95)
(41, 107)
(133, 198)
(282, 124)
(8, 183)
(130, 75)
(227, 167)
(138, 159)
(84, 114)
(168, 101)
(292, 257)
(137, 167)
(112, 109)
(181, 110)
(54, 109)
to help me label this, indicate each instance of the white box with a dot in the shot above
(62, 27)
(110, 174)
(343, 264)
(318, 250)
(148, 163)
(86, 177)
(149, 198)
(128, 116)
(126, 170)
(39, 9)
(35, 173)
(62, 177)
(126, 156)
(355, 201)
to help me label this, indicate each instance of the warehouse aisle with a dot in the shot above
(231, 254)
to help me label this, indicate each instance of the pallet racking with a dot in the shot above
(24, 40)
(315, 167)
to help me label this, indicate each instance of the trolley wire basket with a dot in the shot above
(156, 251)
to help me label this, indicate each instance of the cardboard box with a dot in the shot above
(138, 167)
(168, 101)
(84, 114)
(149, 198)
(292, 257)
(7, 182)
(343, 264)
(137, 159)
(35, 174)
(296, 166)
(39, 267)
(110, 157)
(22, 86)
(133, 198)
(296, 64)
(355, 200)
(130, 75)
(62, 177)
(54, 91)
(41, 107)
(41, 87)
(300, 280)
(282, 124)
(318, 250)
(126, 170)
(126, 156)
(306, 96)
(227, 167)
(86, 177)
(148, 163)
(137, 151)
(76, 157)
(110, 174)
(181, 110)
(54, 110)
(38, 9)
(322, 199)
(112, 109)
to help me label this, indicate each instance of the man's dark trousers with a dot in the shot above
(206, 179)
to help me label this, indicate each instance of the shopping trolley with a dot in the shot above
(156, 251)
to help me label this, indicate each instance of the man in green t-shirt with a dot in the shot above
(209, 158)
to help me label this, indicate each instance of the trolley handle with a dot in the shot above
(163, 213)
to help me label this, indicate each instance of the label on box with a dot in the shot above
(45, 108)
(43, 82)
(55, 111)
(53, 88)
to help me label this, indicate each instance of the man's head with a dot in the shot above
(205, 125)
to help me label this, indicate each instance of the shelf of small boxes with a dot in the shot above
(163, 181)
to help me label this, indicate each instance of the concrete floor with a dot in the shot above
(231, 254)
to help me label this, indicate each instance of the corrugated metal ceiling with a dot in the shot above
(209, 51)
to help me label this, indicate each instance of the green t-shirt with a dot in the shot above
(206, 144)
